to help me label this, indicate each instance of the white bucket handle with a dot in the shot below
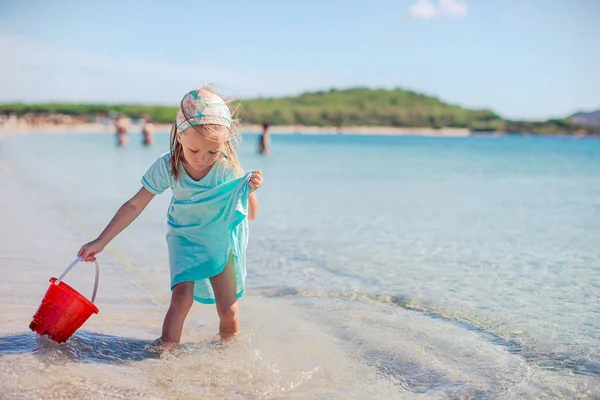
(70, 267)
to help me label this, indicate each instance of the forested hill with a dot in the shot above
(351, 107)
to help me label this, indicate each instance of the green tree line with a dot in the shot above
(339, 108)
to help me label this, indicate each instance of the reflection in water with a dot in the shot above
(82, 347)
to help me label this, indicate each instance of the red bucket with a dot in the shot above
(63, 309)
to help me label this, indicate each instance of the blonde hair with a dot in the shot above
(228, 153)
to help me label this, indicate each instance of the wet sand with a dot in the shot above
(295, 345)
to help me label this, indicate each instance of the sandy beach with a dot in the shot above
(284, 129)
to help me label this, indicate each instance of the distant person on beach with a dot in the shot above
(213, 199)
(121, 126)
(148, 131)
(264, 141)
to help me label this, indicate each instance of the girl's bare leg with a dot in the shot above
(224, 286)
(182, 298)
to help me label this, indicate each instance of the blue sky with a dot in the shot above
(528, 59)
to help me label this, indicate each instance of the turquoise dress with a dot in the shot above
(207, 222)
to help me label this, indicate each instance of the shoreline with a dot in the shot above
(256, 129)
(134, 129)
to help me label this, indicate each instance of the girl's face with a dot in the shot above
(201, 146)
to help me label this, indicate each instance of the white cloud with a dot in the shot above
(422, 9)
(452, 8)
(425, 9)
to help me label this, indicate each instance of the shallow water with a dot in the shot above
(379, 267)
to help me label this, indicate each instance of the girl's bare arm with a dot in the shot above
(124, 216)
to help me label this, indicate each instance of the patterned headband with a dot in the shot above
(200, 107)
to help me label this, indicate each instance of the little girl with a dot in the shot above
(207, 224)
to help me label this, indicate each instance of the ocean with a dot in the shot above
(378, 267)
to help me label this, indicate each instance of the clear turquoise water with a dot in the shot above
(400, 250)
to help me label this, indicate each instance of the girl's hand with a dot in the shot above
(88, 251)
(256, 181)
